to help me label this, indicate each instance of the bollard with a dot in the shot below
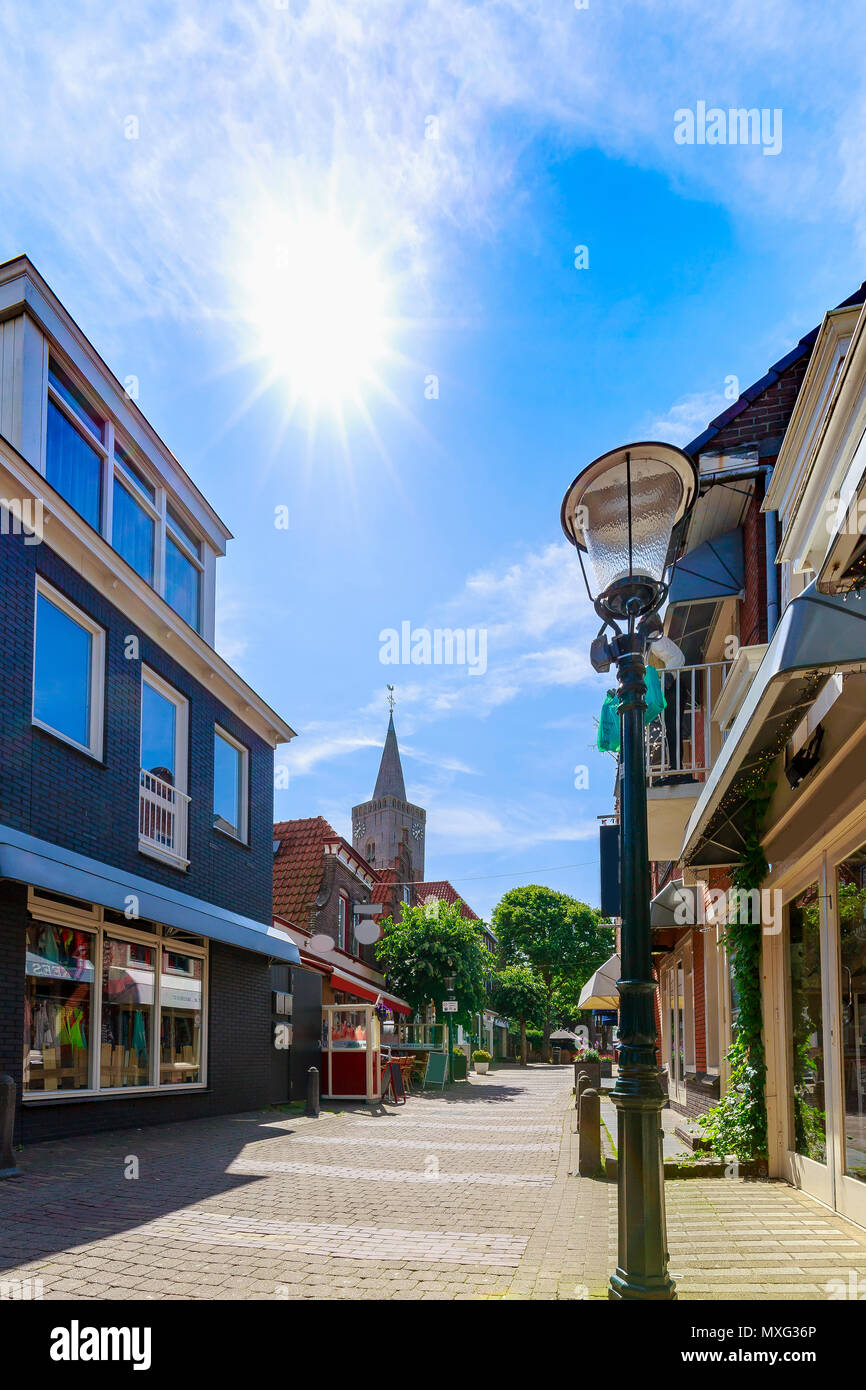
(583, 1082)
(576, 1074)
(589, 1156)
(8, 1166)
(312, 1092)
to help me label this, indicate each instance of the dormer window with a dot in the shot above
(183, 569)
(99, 474)
(75, 447)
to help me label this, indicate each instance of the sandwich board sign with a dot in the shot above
(437, 1070)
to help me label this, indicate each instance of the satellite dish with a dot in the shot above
(367, 931)
(320, 943)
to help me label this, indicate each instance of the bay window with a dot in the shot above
(75, 447)
(90, 463)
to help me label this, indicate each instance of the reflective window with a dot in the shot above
(132, 531)
(851, 890)
(182, 583)
(807, 1026)
(180, 1019)
(229, 785)
(73, 467)
(58, 1007)
(128, 975)
(67, 672)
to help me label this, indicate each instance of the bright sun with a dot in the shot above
(317, 303)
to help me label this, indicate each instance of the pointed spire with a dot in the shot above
(390, 780)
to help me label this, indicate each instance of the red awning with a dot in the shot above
(349, 985)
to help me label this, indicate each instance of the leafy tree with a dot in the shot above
(555, 935)
(565, 1011)
(517, 993)
(429, 942)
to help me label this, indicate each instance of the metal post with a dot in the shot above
(642, 1268)
(312, 1108)
(8, 1166)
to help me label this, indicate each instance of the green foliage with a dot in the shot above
(556, 936)
(481, 1056)
(517, 993)
(738, 1124)
(590, 1055)
(422, 948)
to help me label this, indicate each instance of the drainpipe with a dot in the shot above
(771, 532)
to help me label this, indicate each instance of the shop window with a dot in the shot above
(128, 972)
(147, 1036)
(68, 670)
(181, 1018)
(851, 890)
(807, 1026)
(58, 1008)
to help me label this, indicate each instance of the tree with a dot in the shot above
(517, 993)
(428, 943)
(557, 936)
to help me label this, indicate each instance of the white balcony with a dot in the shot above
(163, 819)
(682, 744)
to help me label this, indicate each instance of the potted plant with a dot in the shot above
(461, 1066)
(589, 1061)
(482, 1061)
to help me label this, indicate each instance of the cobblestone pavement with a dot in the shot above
(464, 1195)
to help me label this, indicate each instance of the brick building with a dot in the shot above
(726, 598)
(139, 958)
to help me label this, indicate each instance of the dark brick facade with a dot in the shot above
(51, 790)
(240, 1045)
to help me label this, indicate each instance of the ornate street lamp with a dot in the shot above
(623, 513)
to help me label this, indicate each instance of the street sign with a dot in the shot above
(449, 1006)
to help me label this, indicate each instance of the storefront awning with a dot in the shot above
(600, 990)
(714, 570)
(26, 859)
(364, 989)
(674, 906)
(818, 634)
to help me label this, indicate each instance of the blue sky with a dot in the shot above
(555, 129)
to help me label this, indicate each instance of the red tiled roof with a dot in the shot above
(443, 891)
(298, 865)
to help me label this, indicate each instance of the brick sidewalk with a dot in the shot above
(459, 1196)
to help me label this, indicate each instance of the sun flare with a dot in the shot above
(318, 307)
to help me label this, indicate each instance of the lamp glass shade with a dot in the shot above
(656, 498)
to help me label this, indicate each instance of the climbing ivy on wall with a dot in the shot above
(738, 1124)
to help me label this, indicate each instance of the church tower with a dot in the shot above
(388, 825)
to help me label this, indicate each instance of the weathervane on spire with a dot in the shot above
(391, 698)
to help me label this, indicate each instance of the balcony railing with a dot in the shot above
(681, 742)
(162, 819)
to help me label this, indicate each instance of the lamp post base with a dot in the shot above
(642, 1266)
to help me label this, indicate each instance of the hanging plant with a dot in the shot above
(738, 1124)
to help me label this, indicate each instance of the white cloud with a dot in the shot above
(688, 418)
(237, 103)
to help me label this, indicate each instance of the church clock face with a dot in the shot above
(360, 828)
(417, 830)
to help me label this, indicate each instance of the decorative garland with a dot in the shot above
(738, 1124)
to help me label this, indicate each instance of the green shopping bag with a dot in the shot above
(608, 725)
(655, 696)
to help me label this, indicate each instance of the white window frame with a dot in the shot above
(342, 914)
(157, 510)
(181, 725)
(243, 830)
(93, 748)
(162, 940)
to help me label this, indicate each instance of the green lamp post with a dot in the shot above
(624, 513)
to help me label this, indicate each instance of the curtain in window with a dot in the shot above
(132, 532)
(73, 468)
